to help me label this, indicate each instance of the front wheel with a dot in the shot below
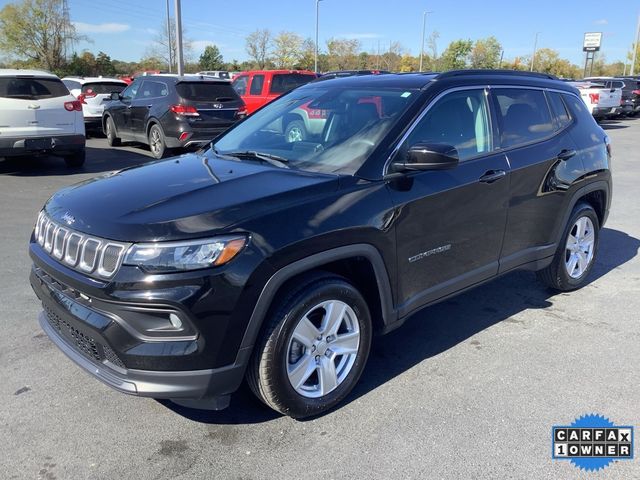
(314, 349)
(576, 253)
(110, 133)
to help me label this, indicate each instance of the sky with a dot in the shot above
(124, 29)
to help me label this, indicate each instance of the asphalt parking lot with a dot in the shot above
(469, 388)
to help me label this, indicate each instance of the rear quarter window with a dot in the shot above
(559, 110)
(30, 88)
(206, 91)
(72, 84)
(523, 115)
(283, 82)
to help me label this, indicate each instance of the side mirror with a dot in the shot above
(428, 156)
(115, 96)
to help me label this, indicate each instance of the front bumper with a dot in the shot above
(56, 144)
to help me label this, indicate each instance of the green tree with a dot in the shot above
(486, 53)
(342, 54)
(37, 30)
(456, 54)
(287, 49)
(83, 65)
(258, 46)
(104, 65)
(211, 59)
(548, 60)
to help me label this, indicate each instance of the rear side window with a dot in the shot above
(240, 85)
(577, 107)
(523, 115)
(206, 91)
(283, 82)
(256, 85)
(30, 88)
(459, 119)
(103, 87)
(151, 89)
(618, 84)
(559, 110)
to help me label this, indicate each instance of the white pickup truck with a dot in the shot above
(602, 102)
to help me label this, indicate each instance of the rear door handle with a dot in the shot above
(492, 176)
(566, 154)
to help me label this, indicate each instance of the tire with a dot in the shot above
(272, 368)
(557, 275)
(157, 144)
(110, 133)
(295, 132)
(75, 160)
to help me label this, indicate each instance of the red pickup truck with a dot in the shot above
(259, 87)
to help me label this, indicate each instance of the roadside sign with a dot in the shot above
(592, 41)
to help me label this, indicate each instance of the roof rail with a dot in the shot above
(456, 73)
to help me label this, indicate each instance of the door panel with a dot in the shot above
(451, 223)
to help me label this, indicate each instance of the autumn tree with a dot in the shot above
(211, 59)
(342, 54)
(37, 30)
(258, 46)
(548, 60)
(287, 49)
(485, 53)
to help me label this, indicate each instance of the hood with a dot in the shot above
(189, 196)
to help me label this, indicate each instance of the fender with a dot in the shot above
(577, 195)
(285, 273)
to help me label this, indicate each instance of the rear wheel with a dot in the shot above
(576, 253)
(157, 143)
(75, 160)
(295, 132)
(314, 349)
(110, 132)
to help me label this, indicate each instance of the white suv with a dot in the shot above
(92, 93)
(39, 115)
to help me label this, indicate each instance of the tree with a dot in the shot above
(342, 54)
(392, 58)
(83, 65)
(211, 59)
(104, 66)
(307, 55)
(456, 54)
(37, 30)
(258, 46)
(166, 41)
(630, 53)
(486, 53)
(287, 49)
(548, 60)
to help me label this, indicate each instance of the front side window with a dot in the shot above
(256, 85)
(130, 92)
(459, 119)
(523, 116)
(240, 84)
(342, 127)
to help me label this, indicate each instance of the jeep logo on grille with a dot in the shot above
(69, 219)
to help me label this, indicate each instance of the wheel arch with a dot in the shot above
(348, 261)
(597, 194)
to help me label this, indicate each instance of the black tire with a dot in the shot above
(295, 132)
(556, 275)
(75, 160)
(267, 372)
(110, 133)
(157, 145)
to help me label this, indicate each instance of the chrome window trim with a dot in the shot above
(487, 87)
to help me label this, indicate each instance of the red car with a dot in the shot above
(259, 87)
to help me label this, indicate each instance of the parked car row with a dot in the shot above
(609, 97)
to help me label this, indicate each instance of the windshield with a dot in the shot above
(323, 129)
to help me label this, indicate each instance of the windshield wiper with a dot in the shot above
(265, 157)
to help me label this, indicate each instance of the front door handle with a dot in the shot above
(566, 154)
(492, 176)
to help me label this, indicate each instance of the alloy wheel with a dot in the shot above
(323, 348)
(579, 250)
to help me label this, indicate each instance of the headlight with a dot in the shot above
(181, 256)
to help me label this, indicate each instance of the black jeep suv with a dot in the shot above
(277, 261)
(170, 111)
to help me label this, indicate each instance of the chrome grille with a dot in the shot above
(91, 255)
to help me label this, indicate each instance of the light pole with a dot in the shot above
(180, 58)
(424, 25)
(634, 54)
(535, 47)
(315, 56)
